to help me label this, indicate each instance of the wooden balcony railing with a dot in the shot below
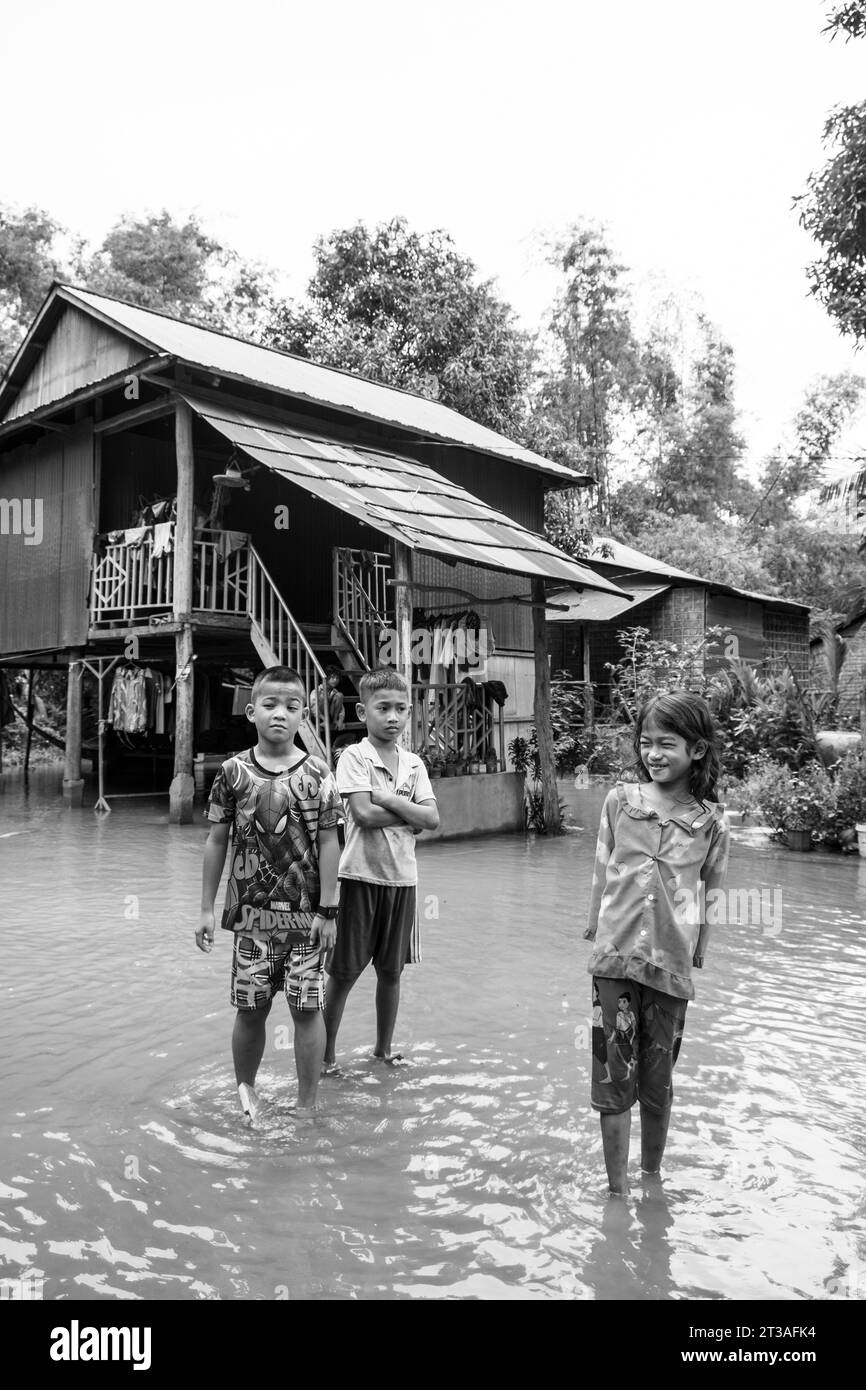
(446, 725)
(129, 583)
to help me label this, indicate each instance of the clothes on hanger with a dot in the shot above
(138, 700)
(127, 705)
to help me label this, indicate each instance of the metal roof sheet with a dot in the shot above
(600, 607)
(400, 497)
(625, 557)
(217, 352)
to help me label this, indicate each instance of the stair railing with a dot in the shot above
(279, 641)
(361, 604)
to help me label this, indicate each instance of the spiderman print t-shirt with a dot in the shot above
(274, 878)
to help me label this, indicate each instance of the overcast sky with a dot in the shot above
(687, 127)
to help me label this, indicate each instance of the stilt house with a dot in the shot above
(179, 502)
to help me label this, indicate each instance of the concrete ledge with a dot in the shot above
(486, 804)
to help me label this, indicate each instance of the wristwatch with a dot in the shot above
(329, 913)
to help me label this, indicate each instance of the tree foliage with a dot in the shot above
(834, 211)
(177, 268)
(694, 444)
(590, 358)
(849, 19)
(407, 309)
(792, 471)
(28, 264)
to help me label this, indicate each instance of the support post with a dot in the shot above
(403, 622)
(541, 712)
(73, 782)
(30, 702)
(588, 696)
(182, 788)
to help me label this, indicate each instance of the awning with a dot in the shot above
(403, 499)
(600, 608)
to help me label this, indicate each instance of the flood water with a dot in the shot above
(474, 1173)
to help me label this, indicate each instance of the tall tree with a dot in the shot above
(176, 267)
(28, 264)
(407, 309)
(798, 468)
(685, 442)
(589, 361)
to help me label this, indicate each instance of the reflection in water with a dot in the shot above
(477, 1172)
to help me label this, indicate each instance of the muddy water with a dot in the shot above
(476, 1173)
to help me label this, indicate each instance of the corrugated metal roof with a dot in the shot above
(600, 607)
(625, 557)
(399, 497)
(226, 356)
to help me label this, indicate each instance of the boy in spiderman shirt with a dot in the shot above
(281, 898)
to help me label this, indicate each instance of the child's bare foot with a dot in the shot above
(331, 1069)
(391, 1059)
(303, 1112)
(249, 1101)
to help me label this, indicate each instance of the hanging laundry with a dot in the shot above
(230, 541)
(135, 536)
(163, 539)
(127, 705)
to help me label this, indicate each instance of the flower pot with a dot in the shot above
(860, 827)
(799, 839)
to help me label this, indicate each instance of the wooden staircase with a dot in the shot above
(332, 649)
(280, 641)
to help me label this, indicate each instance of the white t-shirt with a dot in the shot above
(381, 854)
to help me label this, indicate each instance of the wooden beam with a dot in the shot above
(73, 782)
(541, 714)
(152, 411)
(519, 599)
(403, 623)
(182, 788)
(30, 701)
(85, 393)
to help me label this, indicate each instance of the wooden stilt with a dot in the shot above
(182, 789)
(73, 782)
(403, 620)
(544, 732)
(30, 702)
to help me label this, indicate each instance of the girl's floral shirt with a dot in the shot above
(653, 876)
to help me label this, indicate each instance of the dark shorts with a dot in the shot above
(375, 923)
(635, 1045)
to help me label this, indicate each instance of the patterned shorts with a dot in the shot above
(264, 966)
(636, 1036)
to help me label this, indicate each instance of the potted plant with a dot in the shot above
(849, 821)
(475, 766)
(809, 801)
(450, 763)
(435, 765)
(491, 762)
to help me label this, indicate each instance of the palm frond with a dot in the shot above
(848, 486)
